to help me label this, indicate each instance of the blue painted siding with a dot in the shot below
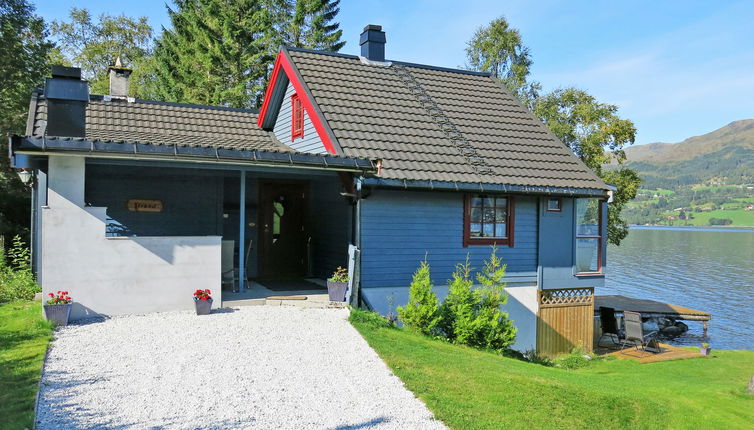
(399, 227)
(310, 142)
(191, 200)
(558, 247)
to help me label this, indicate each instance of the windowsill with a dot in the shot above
(589, 274)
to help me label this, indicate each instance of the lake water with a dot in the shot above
(706, 269)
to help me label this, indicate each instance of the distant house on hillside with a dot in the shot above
(352, 160)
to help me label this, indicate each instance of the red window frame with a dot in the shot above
(297, 117)
(599, 238)
(509, 222)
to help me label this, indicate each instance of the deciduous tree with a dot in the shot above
(93, 45)
(597, 135)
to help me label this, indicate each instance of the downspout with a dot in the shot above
(33, 223)
(242, 234)
(357, 243)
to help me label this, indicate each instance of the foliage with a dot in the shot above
(497, 49)
(23, 49)
(597, 135)
(202, 295)
(24, 336)
(577, 359)
(94, 46)
(219, 52)
(16, 279)
(720, 221)
(340, 275)
(59, 298)
(458, 309)
(473, 389)
(369, 319)
(310, 25)
(421, 313)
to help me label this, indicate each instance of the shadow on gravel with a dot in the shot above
(366, 424)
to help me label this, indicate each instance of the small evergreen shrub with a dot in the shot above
(472, 317)
(16, 278)
(421, 313)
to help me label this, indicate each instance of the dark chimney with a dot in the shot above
(372, 43)
(119, 79)
(67, 96)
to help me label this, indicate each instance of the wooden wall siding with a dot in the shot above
(192, 199)
(565, 321)
(330, 224)
(399, 227)
(310, 142)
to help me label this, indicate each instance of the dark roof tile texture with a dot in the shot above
(373, 114)
(169, 124)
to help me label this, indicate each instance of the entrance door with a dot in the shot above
(282, 207)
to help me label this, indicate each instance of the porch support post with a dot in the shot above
(242, 234)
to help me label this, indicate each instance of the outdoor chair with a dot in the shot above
(635, 334)
(609, 328)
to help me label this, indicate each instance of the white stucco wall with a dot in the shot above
(116, 275)
(521, 307)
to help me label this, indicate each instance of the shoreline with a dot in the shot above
(726, 228)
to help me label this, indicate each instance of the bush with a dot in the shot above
(371, 319)
(720, 221)
(472, 316)
(16, 278)
(421, 312)
(575, 360)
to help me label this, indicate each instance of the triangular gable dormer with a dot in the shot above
(290, 112)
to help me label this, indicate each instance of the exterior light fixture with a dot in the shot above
(25, 175)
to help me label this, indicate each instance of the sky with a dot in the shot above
(676, 68)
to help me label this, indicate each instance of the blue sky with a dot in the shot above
(676, 68)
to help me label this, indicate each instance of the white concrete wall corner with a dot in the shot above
(114, 276)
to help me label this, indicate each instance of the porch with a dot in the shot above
(157, 231)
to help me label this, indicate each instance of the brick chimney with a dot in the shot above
(119, 79)
(372, 43)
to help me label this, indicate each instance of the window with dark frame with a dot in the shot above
(555, 205)
(488, 220)
(297, 117)
(588, 236)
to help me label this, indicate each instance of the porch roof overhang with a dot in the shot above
(477, 187)
(46, 145)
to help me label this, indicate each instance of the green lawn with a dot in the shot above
(24, 336)
(470, 389)
(740, 217)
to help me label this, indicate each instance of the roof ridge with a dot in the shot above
(96, 97)
(397, 62)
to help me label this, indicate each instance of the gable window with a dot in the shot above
(588, 236)
(297, 117)
(488, 220)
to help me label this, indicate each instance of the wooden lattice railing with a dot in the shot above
(566, 297)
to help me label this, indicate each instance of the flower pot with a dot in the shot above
(58, 314)
(203, 307)
(337, 291)
(705, 351)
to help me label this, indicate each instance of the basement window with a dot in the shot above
(297, 117)
(488, 220)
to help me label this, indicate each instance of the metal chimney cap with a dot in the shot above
(66, 72)
(374, 27)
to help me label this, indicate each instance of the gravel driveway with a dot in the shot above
(252, 367)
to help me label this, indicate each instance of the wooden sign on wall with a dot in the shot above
(141, 205)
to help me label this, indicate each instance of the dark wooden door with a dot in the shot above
(282, 212)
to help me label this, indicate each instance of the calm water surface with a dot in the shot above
(710, 270)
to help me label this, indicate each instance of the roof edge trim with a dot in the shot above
(481, 187)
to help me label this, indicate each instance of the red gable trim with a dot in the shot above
(281, 62)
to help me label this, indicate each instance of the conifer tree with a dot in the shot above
(310, 25)
(421, 313)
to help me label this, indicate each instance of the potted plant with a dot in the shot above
(337, 285)
(203, 302)
(705, 349)
(58, 308)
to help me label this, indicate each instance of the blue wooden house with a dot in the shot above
(138, 203)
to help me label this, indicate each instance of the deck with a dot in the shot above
(650, 308)
(668, 353)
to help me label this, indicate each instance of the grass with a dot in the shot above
(24, 336)
(659, 191)
(740, 217)
(470, 389)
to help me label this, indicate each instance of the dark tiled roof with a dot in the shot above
(160, 123)
(374, 115)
